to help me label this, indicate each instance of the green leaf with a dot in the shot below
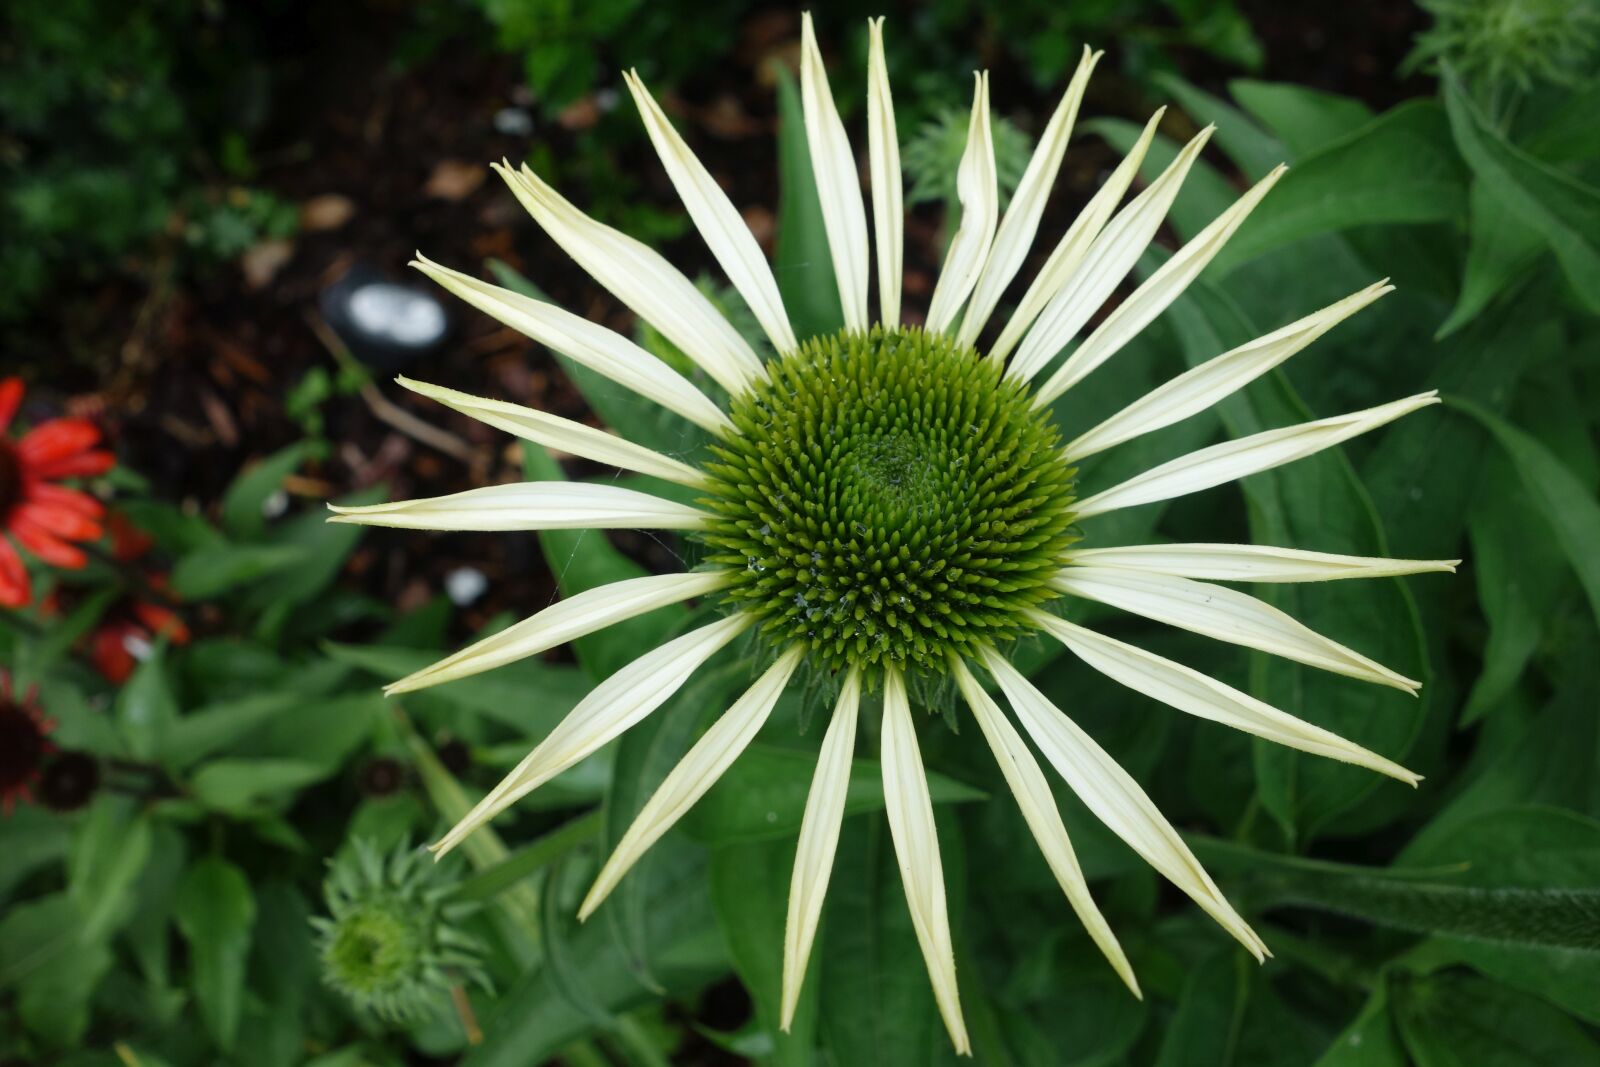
(198, 734)
(1203, 1030)
(1566, 503)
(1252, 150)
(1370, 1040)
(1459, 1020)
(750, 891)
(1500, 249)
(217, 569)
(243, 514)
(216, 911)
(763, 795)
(1303, 119)
(237, 785)
(1400, 168)
(1565, 211)
(146, 709)
(109, 853)
(802, 262)
(54, 969)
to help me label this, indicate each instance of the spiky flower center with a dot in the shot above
(887, 499)
(23, 745)
(376, 948)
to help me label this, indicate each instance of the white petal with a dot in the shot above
(1038, 806)
(530, 506)
(718, 221)
(1108, 261)
(1156, 293)
(601, 350)
(697, 772)
(838, 185)
(883, 151)
(916, 846)
(1188, 690)
(1063, 263)
(563, 435)
(1254, 563)
(611, 708)
(978, 190)
(819, 839)
(1021, 222)
(641, 278)
(1116, 799)
(567, 620)
(1197, 389)
(1231, 460)
(1225, 614)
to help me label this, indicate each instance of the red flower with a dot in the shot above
(24, 743)
(111, 645)
(41, 515)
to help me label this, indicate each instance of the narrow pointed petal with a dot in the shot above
(1196, 390)
(1258, 452)
(838, 185)
(563, 435)
(611, 708)
(1116, 799)
(819, 839)
(530, 506)
(697, 772)
(1156, 293)
(718, 221)
(883, 150)
(1108, 261)
(1021, 222)
(567, 620)
(1038, 806)
(1224, 614)
(642, 279)
(1062, 266)
(978, 190)
(1254, 563)
(601, 350)
(1188, 690)
(916, 845)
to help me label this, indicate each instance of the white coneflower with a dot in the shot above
(890, 504)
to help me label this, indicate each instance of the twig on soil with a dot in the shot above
(382, 407)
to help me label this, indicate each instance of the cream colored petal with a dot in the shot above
(585, 342)
(1069, 252)
(916, 846)
(978, 190)
(819, 839)
(1021, 222)
(1108, 261)
(530, 506)
(1197, 389)
(611, 708)
(1038, 806)
(563, 435)
(1253, 563)
(1116, 799)
(883, 150)
(838, 184)
(718, 221)
(697, 772)
(1156, 293)
(567, 620)
(641, 278)
(1188, 690)
(1224, 614)
(1232, 460)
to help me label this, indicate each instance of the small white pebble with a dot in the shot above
(464, 585)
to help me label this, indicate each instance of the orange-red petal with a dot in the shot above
(14, 589)
(10, 399)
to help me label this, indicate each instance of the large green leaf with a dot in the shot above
(1563, 210)
(1303, 119)
(1452, 1019)
(1500, 248)
(215, 912)
(1399, 169)
(109, 851)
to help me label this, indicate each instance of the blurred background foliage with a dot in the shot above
(213, 862)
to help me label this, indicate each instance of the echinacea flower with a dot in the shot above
(133, 623)
(44, 516)
(891, 506)
(24, 743)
